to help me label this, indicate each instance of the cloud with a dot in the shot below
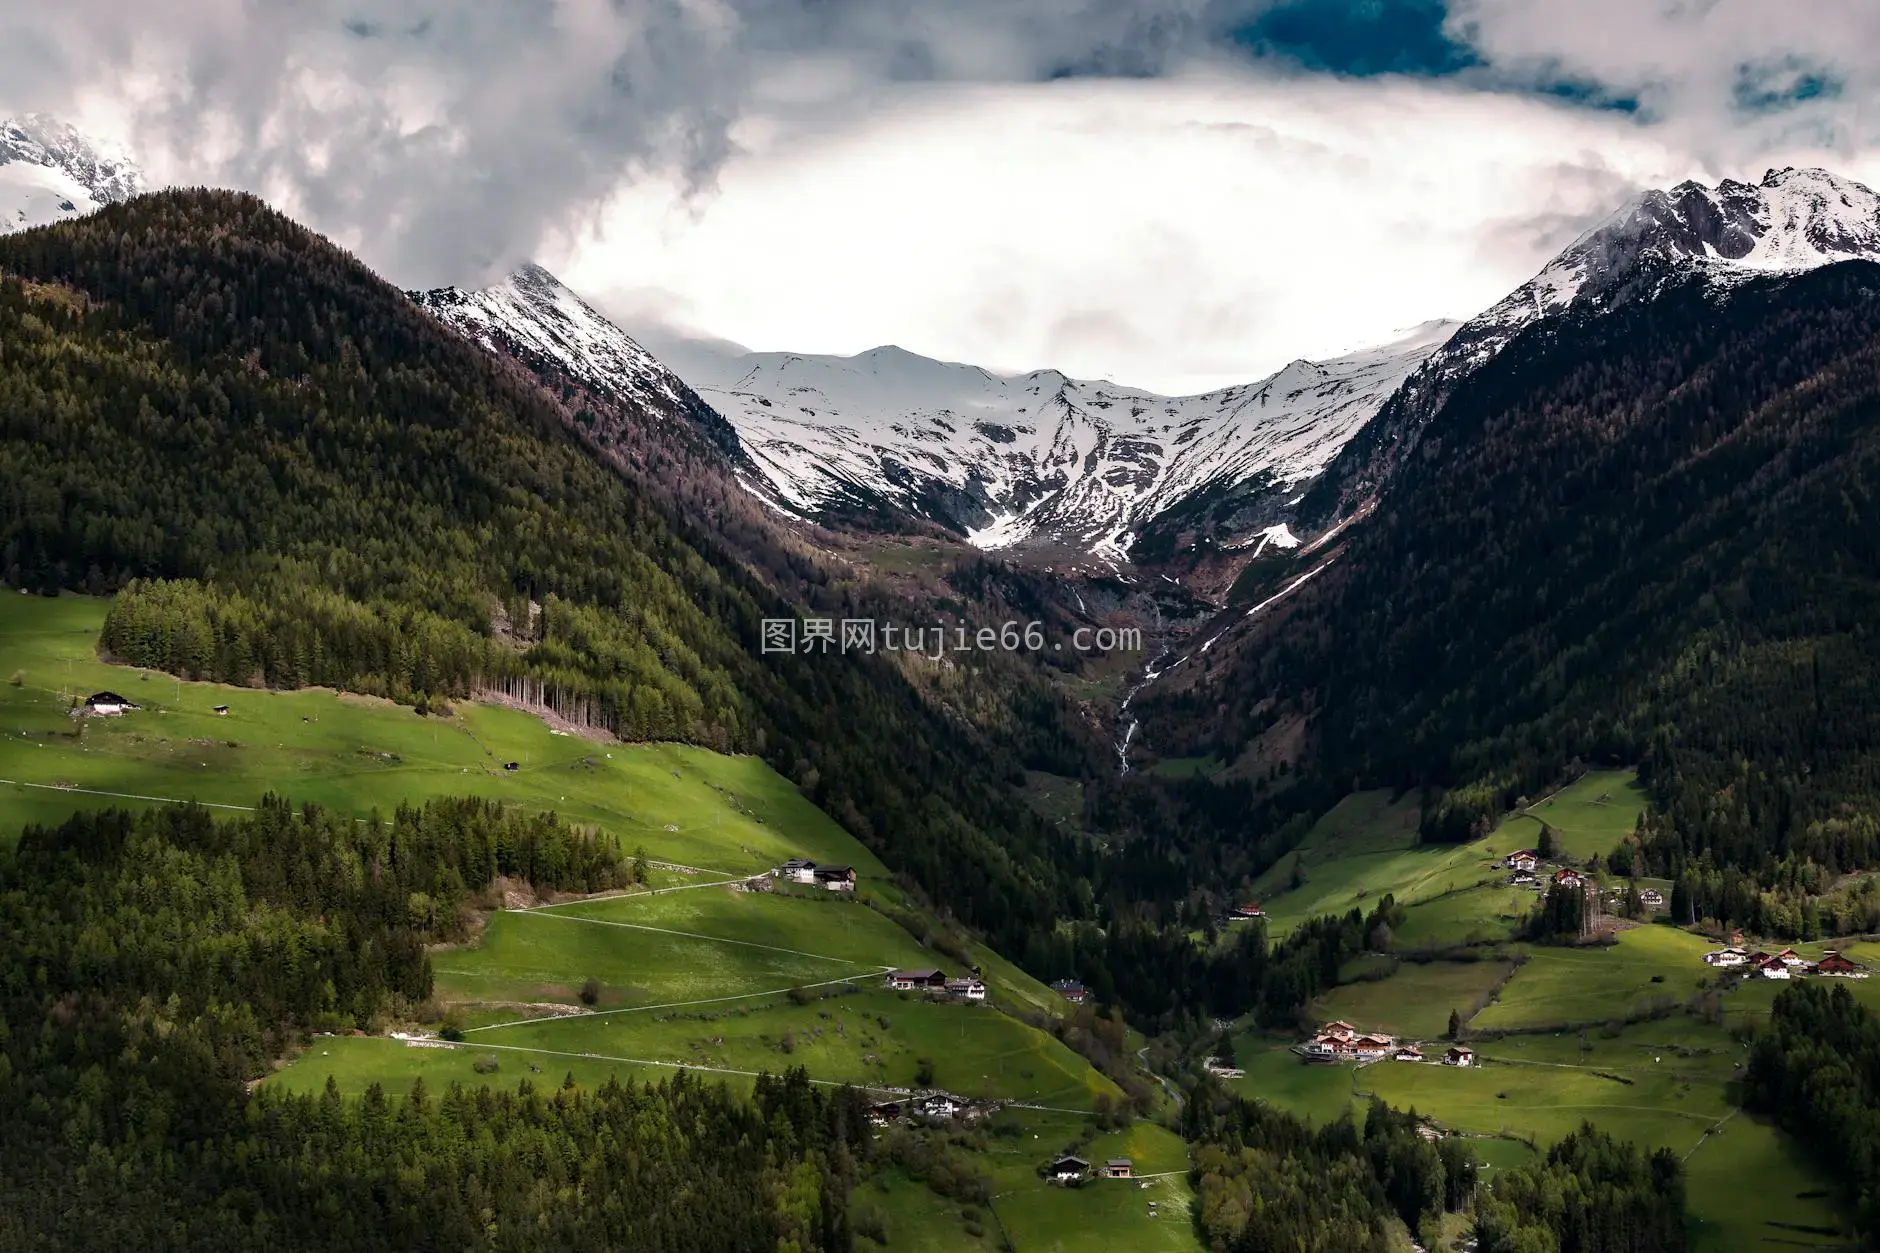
(1728, 79)
(1176, 191)
(1176, 233)
(443, 141)
(439, 140)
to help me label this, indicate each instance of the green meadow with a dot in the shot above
(1456, 894)
(1416, 1000)
(1558, 986)
(1590, 816)
(1488, 914)
(534, 955)
(691, 971)
(357, 754)
(1361, 850)
(1665, 1082)
(1273, 1074)
(870, 1038)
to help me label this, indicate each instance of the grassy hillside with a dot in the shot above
(1367, 846)
(293, 477)
(354, 753)
(693, 971)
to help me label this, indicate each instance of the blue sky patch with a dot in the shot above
(1771, 86)
(1358, 37)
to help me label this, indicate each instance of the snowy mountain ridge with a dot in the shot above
(1037, 457)
(534, 318)
(49, 172)
(1794, 220)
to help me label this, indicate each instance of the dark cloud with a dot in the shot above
(447, 141)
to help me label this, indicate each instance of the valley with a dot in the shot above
(691, 970)
(1634, 1035)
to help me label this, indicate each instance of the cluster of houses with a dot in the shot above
(936, 1106)
(1073, 1169)
(936, 983)
(1524, 865)
(1342, 1042)
(1784, 965)
(802, 870)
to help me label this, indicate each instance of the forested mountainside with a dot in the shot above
(157, 963)
(1646, 535)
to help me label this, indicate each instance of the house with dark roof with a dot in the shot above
(1119, 1168)
(1834, 964)
(835, 878)
(1067, 1169)
(1071, 990)
(107, 704)
(1460, 1055)
(917, 980)
(965, 989)
(796, 870)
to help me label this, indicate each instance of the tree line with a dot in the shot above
(1815, 1070)
(1267, 1180)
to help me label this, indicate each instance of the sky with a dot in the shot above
(1174, 194)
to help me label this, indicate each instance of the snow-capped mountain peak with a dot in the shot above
(49, 172)
(1793, 220)
(533, 317)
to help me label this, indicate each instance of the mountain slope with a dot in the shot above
(1793, 221)
(50, 173)
(1038, 459)
(1647, 535)
(343, 492)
